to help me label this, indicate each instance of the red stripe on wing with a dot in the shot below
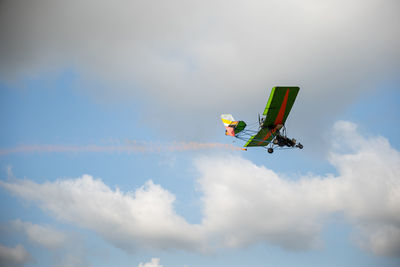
(282, 110)
(279, 118)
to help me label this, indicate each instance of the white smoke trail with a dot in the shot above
(131, 147)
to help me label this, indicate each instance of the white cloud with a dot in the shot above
(184, 58)
(260, 205)
(14, 256)
(65, 248)
(45, 236)
(155, 262)
(380, 238)
(244, 203)
(145, 217)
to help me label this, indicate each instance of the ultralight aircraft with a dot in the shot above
(271, 132)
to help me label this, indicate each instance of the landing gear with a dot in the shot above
(282, 142)
(299, 146)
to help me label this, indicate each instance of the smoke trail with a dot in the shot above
(131, 147)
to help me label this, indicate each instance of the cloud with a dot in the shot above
(244, 203)
(66, 249)
(260, 205)
(155, 262)
(184, 59)
(144, 218)
(14, 256)
(380, 239)
(45, 236)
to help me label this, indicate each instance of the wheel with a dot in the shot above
(270, 150)
(300, 146)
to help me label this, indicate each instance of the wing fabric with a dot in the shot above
(263, 137)
(279, 104)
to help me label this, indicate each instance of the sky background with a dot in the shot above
(112, 151)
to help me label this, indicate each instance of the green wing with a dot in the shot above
(279, 104)
(262, 138)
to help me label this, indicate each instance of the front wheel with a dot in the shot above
(300, 146)
(270, 150)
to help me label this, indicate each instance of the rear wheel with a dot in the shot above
(300, 146)
(270, 150)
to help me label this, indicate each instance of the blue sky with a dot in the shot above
(77, 77)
